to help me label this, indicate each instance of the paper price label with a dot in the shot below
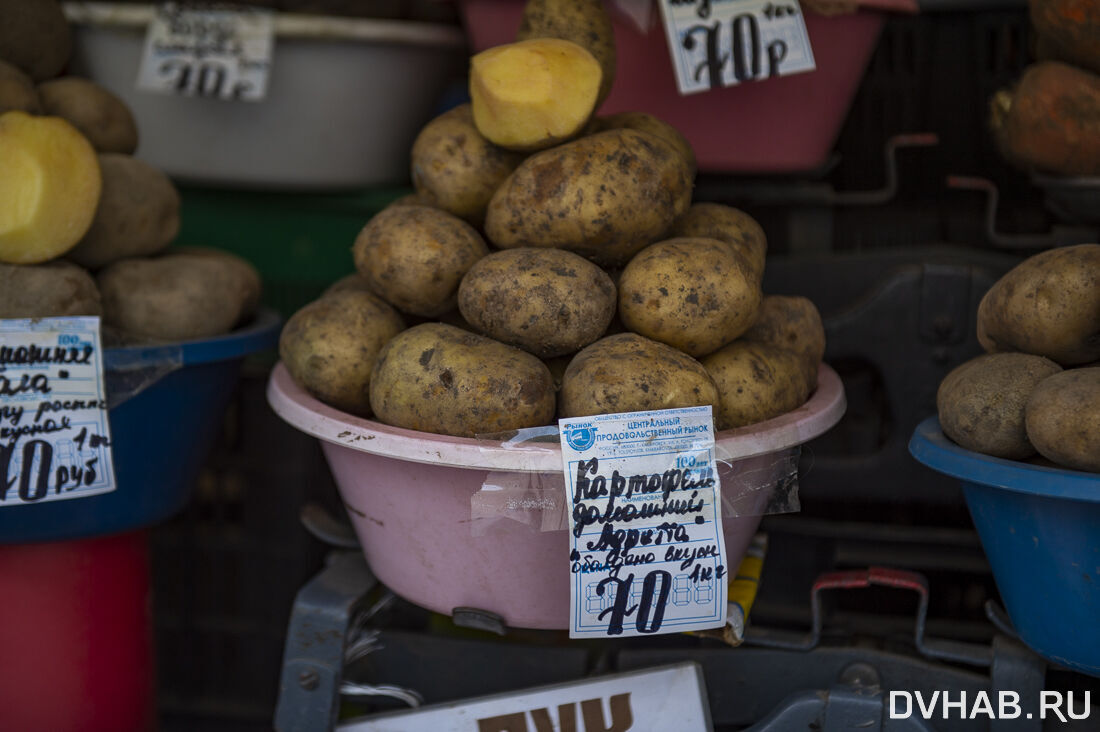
(717, 43)
(208, 50)
(55, 443)
(647, 554)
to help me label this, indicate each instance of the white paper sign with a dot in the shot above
(717, 43)
(211, 50)
(55, 443)
(647, 553)
(669, 698)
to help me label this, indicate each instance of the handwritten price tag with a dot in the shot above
(647, 553)
(55, 443)
(717, 43)
(214, 50)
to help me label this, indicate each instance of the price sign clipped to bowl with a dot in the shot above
(55, 443)
(213, 50)
(718, 43)
(647, 554)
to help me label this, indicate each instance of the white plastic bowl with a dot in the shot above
(345, 99)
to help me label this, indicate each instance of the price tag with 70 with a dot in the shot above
(647, 554)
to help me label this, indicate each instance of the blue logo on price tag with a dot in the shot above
(581, 436)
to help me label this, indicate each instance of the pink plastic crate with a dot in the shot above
(780, 125)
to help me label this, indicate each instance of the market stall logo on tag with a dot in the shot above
(581, 436)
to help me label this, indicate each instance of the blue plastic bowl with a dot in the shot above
(161, 435)
(1040, 528)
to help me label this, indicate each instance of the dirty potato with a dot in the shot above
(630, 373)
(791, 322)
(756, 382)
(549, 302)
(735, 227)
(51, 290)
(606, 197)
(331, 344)
(646, 122)
(35, 36)
(1048, 305)
(99, 115)
(1063, 418)
(17, 91)
(456, 169)
(693, 294)
(438, 378)
(414, 257)
(981, 403)
(584, 22)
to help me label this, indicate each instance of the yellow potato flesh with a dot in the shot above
(49, 187)
(533, 94)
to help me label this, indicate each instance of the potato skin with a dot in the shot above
(584, 22)
(728, 224)
(330, 346)
(693, 294)
(981, 402)
(438, 378)
(630, 373)
(646, 122)
(353, 281)
(51, 290)
(174, 297)
(756, 382)
(138, 213)
(99, 115)
(248, 283)
(456, 169)
(1048, 305)
(414, 257)
(791, 322)
(17, 91)
(35, 37)
(606, 197)
(548, 302)
(1063, 418)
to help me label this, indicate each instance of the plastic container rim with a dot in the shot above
(287, 25)
(308, 414)
(261, 333)
(930, 446)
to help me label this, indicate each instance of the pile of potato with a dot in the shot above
(551, 263)
(70, 188)
(1038, 387)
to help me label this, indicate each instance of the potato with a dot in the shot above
(174, 297)
(630, 373)
(549, 302)
(99, 115)
(17, 91)
(414, 199)
(353, 281)
(330, 346)
(42, 221)
(1063, 418)
(735, 227)
(584, 22)
(791, 322)
(756, 382)
(52, 290)
(693, 294)
(533, 94)
(1048, 305)
(981, 403)
(606, 197)
(456, 169)
(414, 257)
(645, 122)
(35, 36)
(438, 378)
(1070, 28)
(138, 213)
(248, 282)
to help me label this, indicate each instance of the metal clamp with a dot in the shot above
(943, 649)
(1058, 236)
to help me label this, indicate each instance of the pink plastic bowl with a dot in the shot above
(781, 125)
(409, 497)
